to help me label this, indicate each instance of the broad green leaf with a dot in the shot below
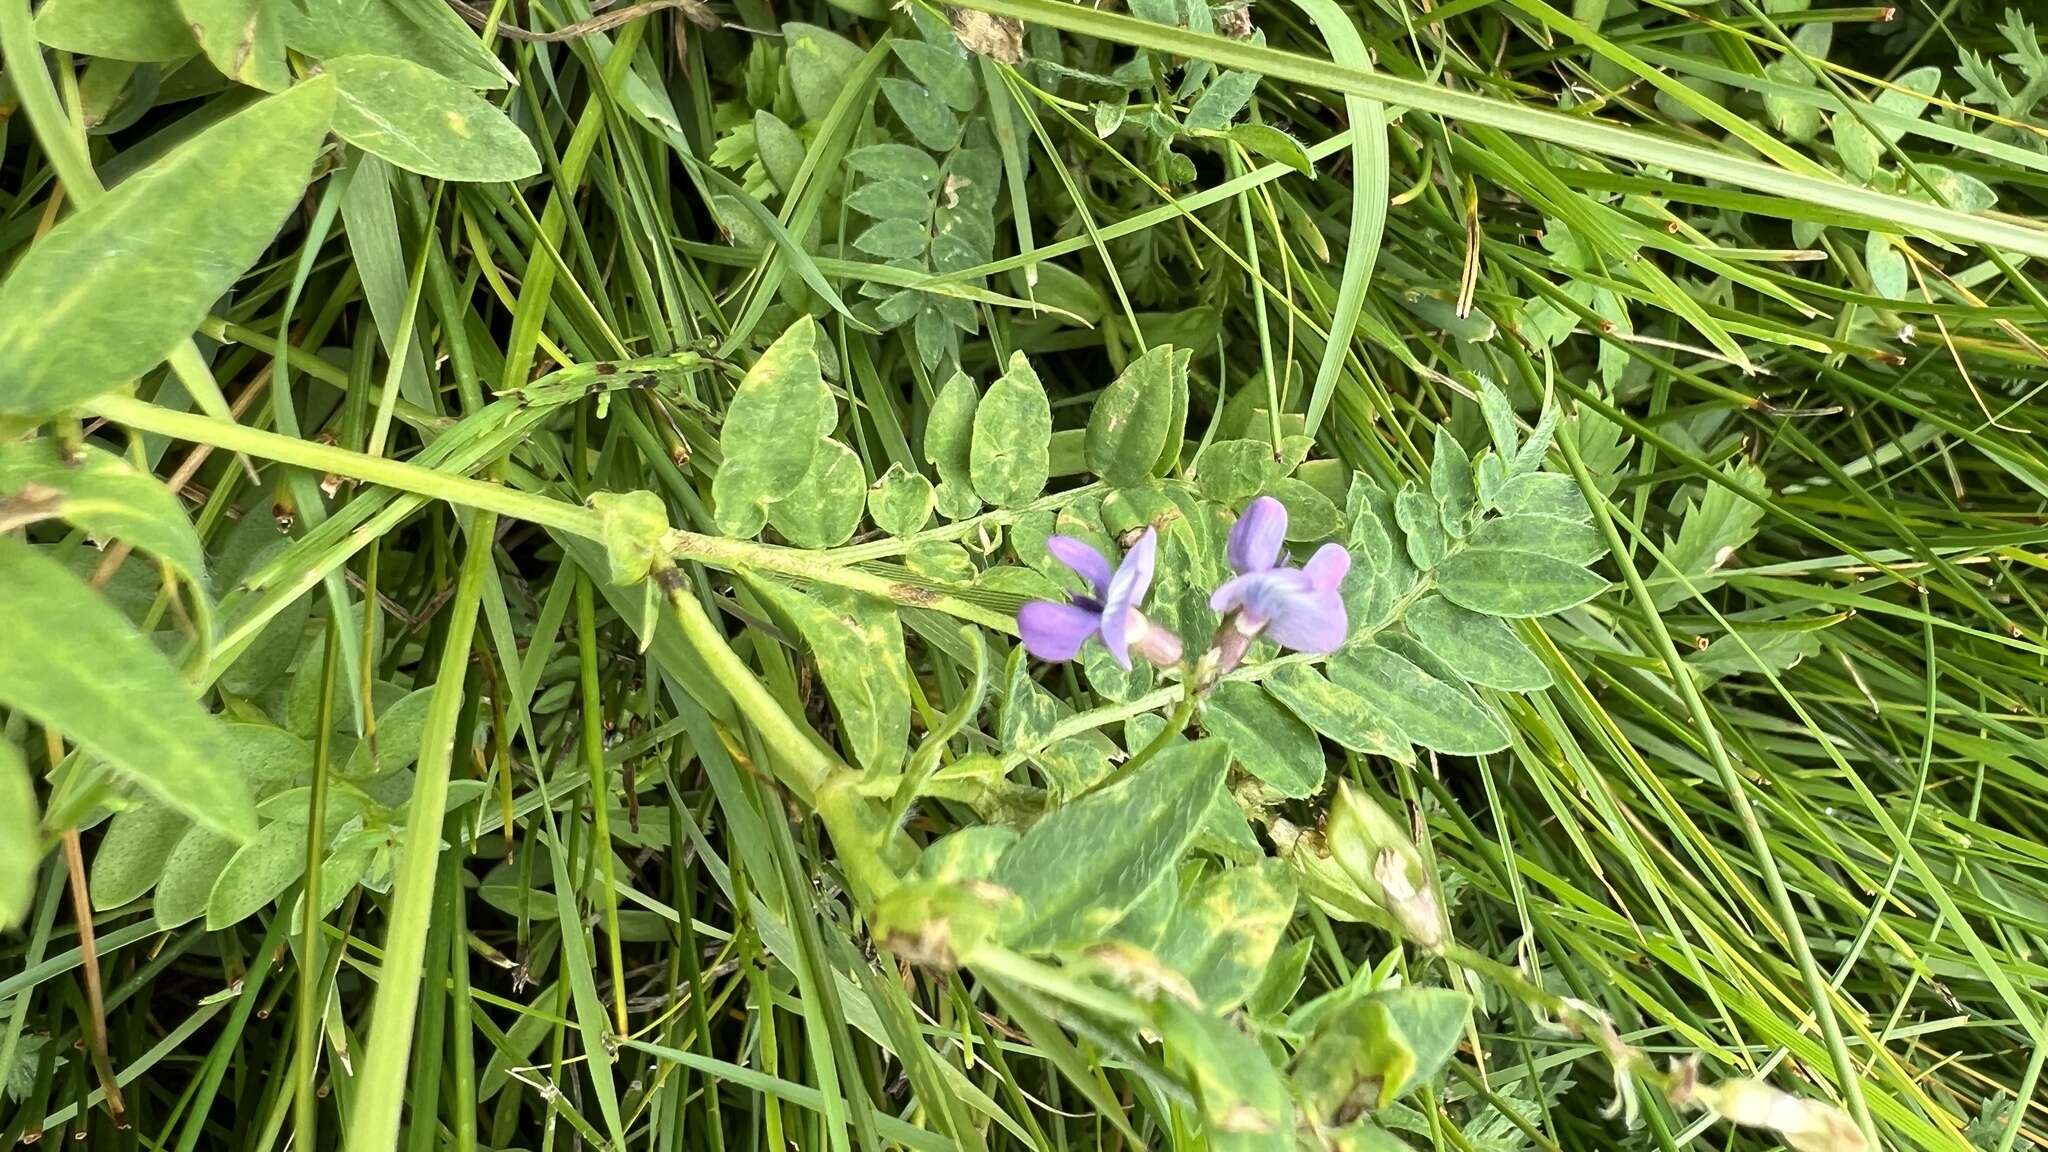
(1889, 277)
(1479, 648)
(1083, 864)
(1265, 739)
(257, 874)
(131, 856)
(1244, 1101)
(243, 38)
(108, 292)
(777, 424)
(1860, 150)
(1497, 582)
(1127, 427)
(948, 439)
(1568, 540)
(824, 509)
(1028, 711)
(1377, 1048)
(1104, 676)
(900, 503)
(145, 31)
(1439, 716)
(893, 199)
(1176, 413)
(931, 123)
(194, 864)
(105, 495)
(1221, 101)
(1499, 414)
(1222, 934)
(1422, 526)
(969, 854)
(1797, 119)
(396, 743)
(1381, 573)
(1336, 712)
(72, 663)
(1450, 481)
(1312, 517)
(1232, 471)
(780, 148)
(424, 122)
(1270, 143)
(21, 839)
(1010, 457)
(857, 643)
(948, 72)
(1960, 190)
(1544, 494)
(883, 162)
(817, 61)
(428, 34)
(894, 239)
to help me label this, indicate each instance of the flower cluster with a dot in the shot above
(1298, 609)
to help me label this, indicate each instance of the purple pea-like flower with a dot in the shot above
(1053, 631)
(1297, 608)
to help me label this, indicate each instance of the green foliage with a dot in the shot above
(138, 269)
(424, 122)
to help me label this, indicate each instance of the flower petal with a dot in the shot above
(1229, 595)
(1055, 631)
(1127, 588)
(1082, 558)
(1315, 622)
(1256, 538)
(1326, 569)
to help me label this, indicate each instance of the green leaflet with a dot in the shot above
(103, 494)
(1009, 458)
(73, 663)
(1083, 864)
(1311, 515)
(131, 856)
(21, 839)
(1421, 520)
(257, 874)
(633, 526)
(1270, 143)
(1221, 935)
(824, 508)
(1336, 712)
(108, 292)
(424, 122)
(243, 38)
(1450, 481)
(945, 71)
(774, 428)
(932, 124)
(1381, 573)
(1127, 428)
(900, 503)
(893, 199)
(1499, 582)
(948, 440)
(427, 34)
(1440, 716)
(397, 741)
(1376, 1049)
(1265, 739)
(1553, 536)
(140, 30)
(857, 643)
(1244, 1101)
(189, 872)
(1479, 648)
(892, 161)
(819, 61)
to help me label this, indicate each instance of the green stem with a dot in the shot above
(600, 791)
(380, 1083)
(1183, 713)
(798, 759)
(305, 1105)
(459, 490)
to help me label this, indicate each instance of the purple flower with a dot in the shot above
(1296, 608)
(1054, 631)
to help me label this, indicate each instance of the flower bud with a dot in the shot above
(1377, 854)
(1805, 1125)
